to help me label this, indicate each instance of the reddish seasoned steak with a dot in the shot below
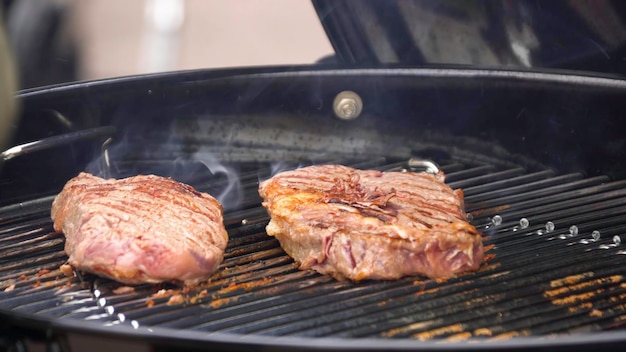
(141, 229)
(369, 224)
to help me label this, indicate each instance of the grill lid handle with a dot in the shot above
(422, 165)
(56, 141)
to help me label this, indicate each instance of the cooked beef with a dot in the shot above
(141, 229)
(360, 224)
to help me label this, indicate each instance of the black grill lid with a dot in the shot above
(584, 36)
(536, 119)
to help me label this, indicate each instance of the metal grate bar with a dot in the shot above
(507, 183)
(492, 177)
(492, 191)
(545, 195)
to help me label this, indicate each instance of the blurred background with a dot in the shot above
(67, 40)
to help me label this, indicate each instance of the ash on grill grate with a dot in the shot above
(554, 266)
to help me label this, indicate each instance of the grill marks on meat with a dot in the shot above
(368, 202)
(142, 229)
(366, 224)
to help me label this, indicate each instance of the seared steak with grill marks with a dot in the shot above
(141, 229)
(360, 224)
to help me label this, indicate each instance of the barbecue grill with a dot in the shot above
(538, 153)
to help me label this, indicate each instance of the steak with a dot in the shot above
(366, 224)
(141, 229)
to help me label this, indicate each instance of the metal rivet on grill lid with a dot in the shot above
(422, 165)
(347, 105)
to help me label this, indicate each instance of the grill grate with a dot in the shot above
(538, 280)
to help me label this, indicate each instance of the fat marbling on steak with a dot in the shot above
(141, 229)
(367, 224)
